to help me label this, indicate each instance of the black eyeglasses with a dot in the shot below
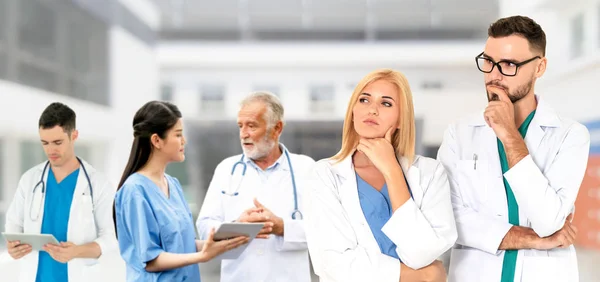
(506, 67)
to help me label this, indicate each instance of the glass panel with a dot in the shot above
(321, 93)
(3, 22)
(32, 154)
(84, 152)
(179, 171)
(321, 97)
(1, 176)
(3, 65)
(79, 47)
(212, 92)
(166, 93)
(78, 89)
(37, 77)
(213, 99)
(37, 29)
(577, 36)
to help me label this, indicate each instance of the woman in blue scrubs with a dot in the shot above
(154, 224)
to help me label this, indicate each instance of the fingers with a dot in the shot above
(388, 134)
(12, 244)
(570, 217)
(254, 210)
(503, 97)
(237, 241)
(265, 231)
(258, 204)
(571, 232)
(211, 235)
(256, 217)
(18, 251)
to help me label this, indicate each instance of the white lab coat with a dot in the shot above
(85, 225)
(341, 244)
(545, 185)
(275, 259)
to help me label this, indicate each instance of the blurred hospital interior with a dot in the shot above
(106, 58)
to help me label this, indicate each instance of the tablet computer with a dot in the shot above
(36, 241)
(235, 229)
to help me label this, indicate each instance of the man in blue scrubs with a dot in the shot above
(65, 197)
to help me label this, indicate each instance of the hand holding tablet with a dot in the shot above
(20, 244)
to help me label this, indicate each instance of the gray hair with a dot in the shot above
(274, 111)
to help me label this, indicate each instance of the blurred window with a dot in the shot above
(58, 47)
(166, 92)
(577, 36)
(212, 99)
(32, 154)
(322, 98)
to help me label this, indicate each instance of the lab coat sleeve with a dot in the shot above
(548, 197)
(104, 195)
(211, 214)
(475, 230)
(294, 237)
(333, 243)
(422, 234)
(15, 217)
(143, 230)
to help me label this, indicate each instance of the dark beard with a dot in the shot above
(514, 96)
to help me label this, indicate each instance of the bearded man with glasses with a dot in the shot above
(514, 169)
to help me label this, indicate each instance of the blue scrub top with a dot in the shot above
(377, 208)
(149, 223)
(57, 208)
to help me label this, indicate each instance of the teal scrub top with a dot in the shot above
(510, 256)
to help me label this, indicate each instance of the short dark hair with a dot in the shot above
(58, 114)
(523, 26)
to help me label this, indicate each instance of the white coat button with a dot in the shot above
(260, 252)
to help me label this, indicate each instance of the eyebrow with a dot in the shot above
(385, 97)
(501, 60)
(57, 140)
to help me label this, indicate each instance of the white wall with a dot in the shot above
(134, 81)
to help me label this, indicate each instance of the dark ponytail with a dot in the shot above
(155, 117)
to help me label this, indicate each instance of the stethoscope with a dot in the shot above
(43, 189)
(296, 214)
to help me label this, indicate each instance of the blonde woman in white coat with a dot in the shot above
(375, 211)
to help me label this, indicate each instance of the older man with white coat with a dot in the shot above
(264, 184)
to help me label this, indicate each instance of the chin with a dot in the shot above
(369, 133)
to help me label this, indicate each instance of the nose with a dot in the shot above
(373, 110)
(244, 132)
(183, 141)
(495, 75)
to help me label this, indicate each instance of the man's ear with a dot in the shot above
(74, 134)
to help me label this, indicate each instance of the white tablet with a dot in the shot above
(37, 241)
(235, 229)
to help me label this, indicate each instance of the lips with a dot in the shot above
(370, 122)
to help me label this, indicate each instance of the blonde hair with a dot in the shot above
(403, 139)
